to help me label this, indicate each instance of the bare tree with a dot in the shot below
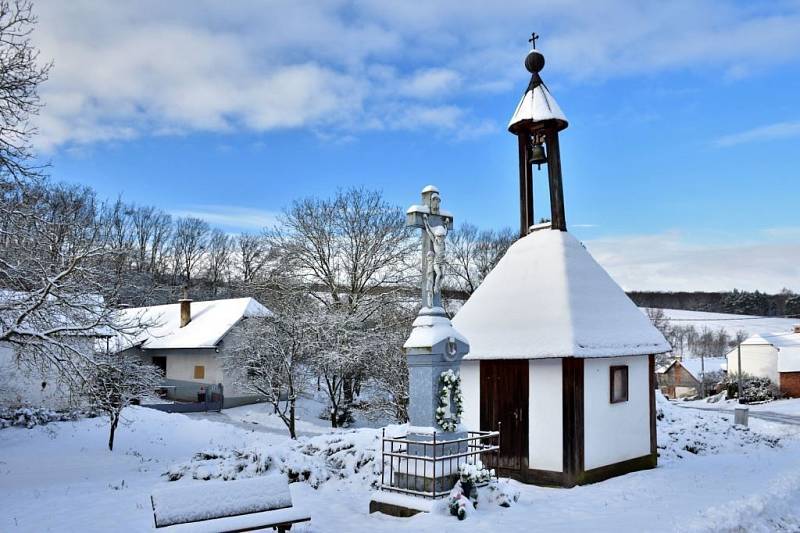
(142, 219)
(341, 354)
(55, 266)
(354, 245)
(270, 358)
(190, 242)
(116, 381)
(219, 254)
(162, 231)
(386, 365)
(20, 76)
(473, 254)
(253, 256)
(120, 235)
(354, 248)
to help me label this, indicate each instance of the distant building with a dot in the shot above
(40, 385)
(189, 340)
(772, 355)
(682, 378)
(28, 383)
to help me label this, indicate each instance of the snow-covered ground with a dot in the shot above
(732, 324)
(711, 477)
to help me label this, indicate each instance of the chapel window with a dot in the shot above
(619, 384)
(199, 372)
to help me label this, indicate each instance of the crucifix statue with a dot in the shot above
(435, 223)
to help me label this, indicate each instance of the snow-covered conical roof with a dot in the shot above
(547, 297)
(537, 105)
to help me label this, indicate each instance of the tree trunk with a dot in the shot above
(292, 432)
(334, 415)
(114, 422)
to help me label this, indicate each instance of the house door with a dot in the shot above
(161, 362)
(504, 405)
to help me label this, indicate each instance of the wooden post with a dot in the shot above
(525, 185)
(557, 214)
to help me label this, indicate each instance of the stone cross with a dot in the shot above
(435, 223)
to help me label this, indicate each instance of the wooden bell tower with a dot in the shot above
(536, 123)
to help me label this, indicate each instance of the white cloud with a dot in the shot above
(230, 216)
(780, 130)
(428, 83)
(669, 261)
(783, 233)
(124, 70)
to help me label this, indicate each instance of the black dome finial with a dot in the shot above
(534, 61)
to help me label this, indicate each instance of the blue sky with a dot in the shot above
(680, 162)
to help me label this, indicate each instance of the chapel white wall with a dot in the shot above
(759, 360)
(620, 431)
(471, 393)
(545, 411)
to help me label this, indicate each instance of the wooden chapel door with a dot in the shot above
(504, 405)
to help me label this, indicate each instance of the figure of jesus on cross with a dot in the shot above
(435, 223)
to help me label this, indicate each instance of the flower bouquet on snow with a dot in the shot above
(465, 492)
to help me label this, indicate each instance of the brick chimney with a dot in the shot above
(186, 308)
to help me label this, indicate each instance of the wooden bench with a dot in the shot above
(231, 506)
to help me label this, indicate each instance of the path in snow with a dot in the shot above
(769, 416)
(223, 418)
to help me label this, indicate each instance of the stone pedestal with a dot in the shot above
(433, 347)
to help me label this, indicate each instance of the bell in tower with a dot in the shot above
(536, 123)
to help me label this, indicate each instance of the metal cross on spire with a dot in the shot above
(533, 39)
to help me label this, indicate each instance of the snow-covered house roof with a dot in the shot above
(210, 322)
(547, 297)
(68, 315)
(786, 342)
(536, 105)
(695, 366)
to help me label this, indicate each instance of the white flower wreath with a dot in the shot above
(449, 382)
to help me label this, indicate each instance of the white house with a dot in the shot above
(772, 355)
(25, 383)
(22, 385)
(188, 341)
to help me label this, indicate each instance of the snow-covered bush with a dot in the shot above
(29, 417)
(502, 493)
(754, 389)
(313, 460)
(465, 495)
(474, 473)
(224, 464)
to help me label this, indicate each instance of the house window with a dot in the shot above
(199, 372)
(619, 384)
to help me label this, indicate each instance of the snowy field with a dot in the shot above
(728, 322)
(711, 476)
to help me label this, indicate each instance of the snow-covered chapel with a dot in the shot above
(561, 361)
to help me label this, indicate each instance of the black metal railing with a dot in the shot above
(430, 468)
